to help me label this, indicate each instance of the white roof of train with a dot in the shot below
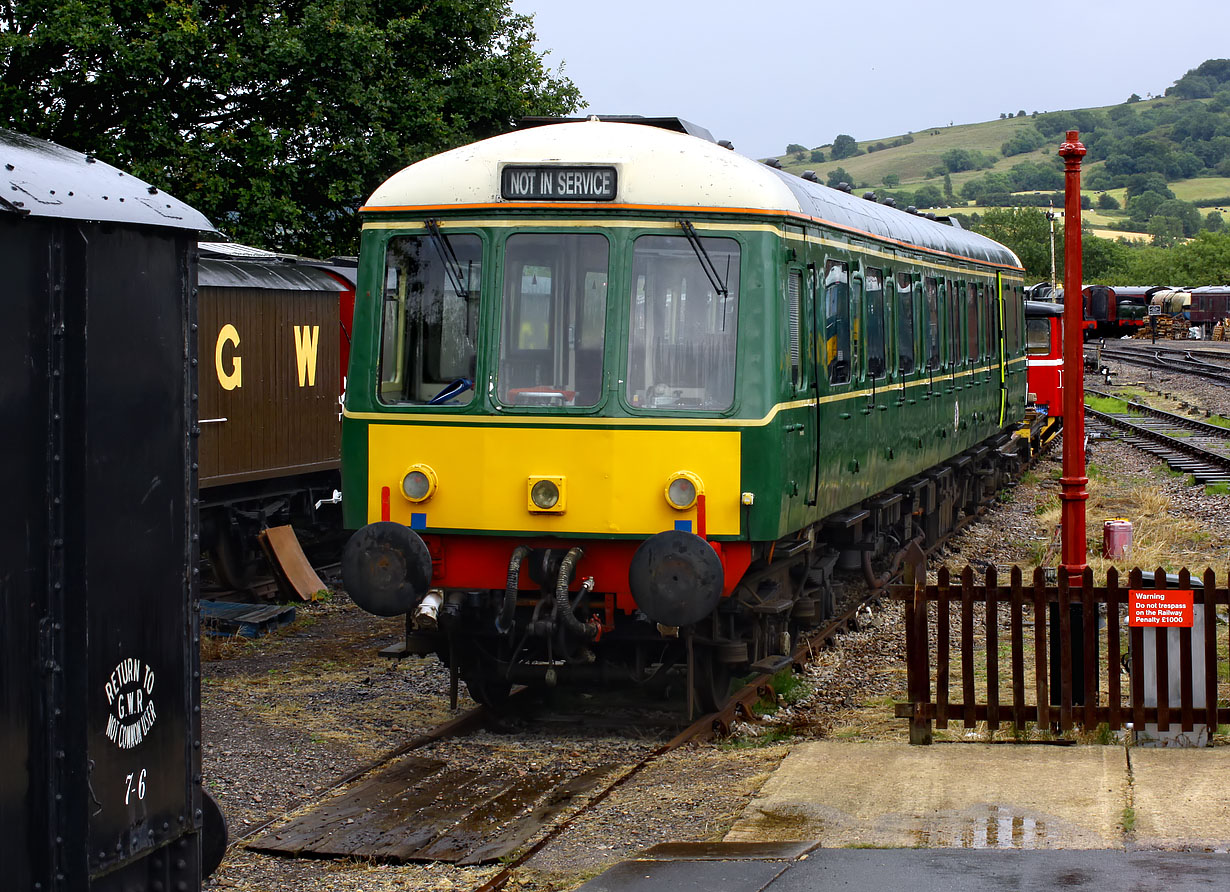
(659, 168)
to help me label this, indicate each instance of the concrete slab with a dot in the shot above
(962, 795)
(927, 870)
(687, 876)
(728, 851)
(1181, 798)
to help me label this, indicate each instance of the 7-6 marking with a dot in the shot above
(139, 789)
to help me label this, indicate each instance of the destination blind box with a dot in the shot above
(558, 183)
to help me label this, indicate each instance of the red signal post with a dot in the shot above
(1073, 495)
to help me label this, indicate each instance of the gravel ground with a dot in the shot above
(288, 716)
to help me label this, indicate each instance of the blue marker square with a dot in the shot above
(683, 526)
(418, 521)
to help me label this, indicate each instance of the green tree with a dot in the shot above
(274, 119)
(948, 186)
(1213, 222)
(817, 156)
(1028, 233)
(928, 197)
(844, 146)
(838, 175)
(1166, 231)
(1107, 202)
(891, 180)
(794, 148)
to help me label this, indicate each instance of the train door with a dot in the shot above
(801, 448)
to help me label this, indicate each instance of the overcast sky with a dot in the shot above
(764, 74)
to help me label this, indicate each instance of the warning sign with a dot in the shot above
(1152, 607)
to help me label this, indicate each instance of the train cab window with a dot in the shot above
(837, 320)
(430, 319)
(553, 320)
(990, 321)
(1038, 336)
(905, 323)
(972, 305)
(684, 313)
(931, 290)
(876, 335)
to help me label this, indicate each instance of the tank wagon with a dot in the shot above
(621, 400)
(99, 678)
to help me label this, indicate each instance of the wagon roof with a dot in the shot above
(658, 168)
(42, 179)
(264, 275)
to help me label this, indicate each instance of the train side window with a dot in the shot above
(553, 326)
(1037, 336)
(972, 302)
(874, 286)
(953, 308)
(931, 290)
(837, 320)
(905, 323)
(990, 320)
(430, 319)
(681, 339)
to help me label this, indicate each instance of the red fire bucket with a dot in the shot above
(1117, 538)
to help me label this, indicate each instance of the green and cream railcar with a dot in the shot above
(616, 389)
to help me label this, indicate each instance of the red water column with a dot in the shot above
(1073, 495)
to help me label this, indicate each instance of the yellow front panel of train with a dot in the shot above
(609, 482)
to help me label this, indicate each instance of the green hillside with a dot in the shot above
(1159, 168)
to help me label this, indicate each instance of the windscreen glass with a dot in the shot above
(681, 340)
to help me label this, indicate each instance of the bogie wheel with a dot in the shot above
(710, 680)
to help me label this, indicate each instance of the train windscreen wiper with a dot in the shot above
(706, 263)
(452, 266)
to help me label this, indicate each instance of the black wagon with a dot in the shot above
(99, 669)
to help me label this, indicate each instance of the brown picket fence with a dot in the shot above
(1091, 692)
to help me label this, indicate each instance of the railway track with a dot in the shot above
(1211, 365)
(1186, 444)
(402, 807)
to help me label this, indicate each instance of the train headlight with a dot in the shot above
(682, 489)
(419, 484)
(546, 495)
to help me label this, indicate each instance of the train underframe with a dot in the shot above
(566, 633)
(234, 515)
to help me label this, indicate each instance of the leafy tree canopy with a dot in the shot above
(275, 119)
(1027, 232)
(844, 146)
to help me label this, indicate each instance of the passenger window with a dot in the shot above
(953, 307)
(837, 321)
(874, 284)
(931, 289)
(905, 322)
(972, 302)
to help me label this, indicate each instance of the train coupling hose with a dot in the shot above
(504, 622)
(566, 568)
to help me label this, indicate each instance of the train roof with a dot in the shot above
(48, 180)
(213, 272)
(658, 168)
(1211, 289)
(1042, 308)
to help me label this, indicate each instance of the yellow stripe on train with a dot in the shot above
(614, 480)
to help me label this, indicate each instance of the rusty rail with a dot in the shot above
(1102, 698)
